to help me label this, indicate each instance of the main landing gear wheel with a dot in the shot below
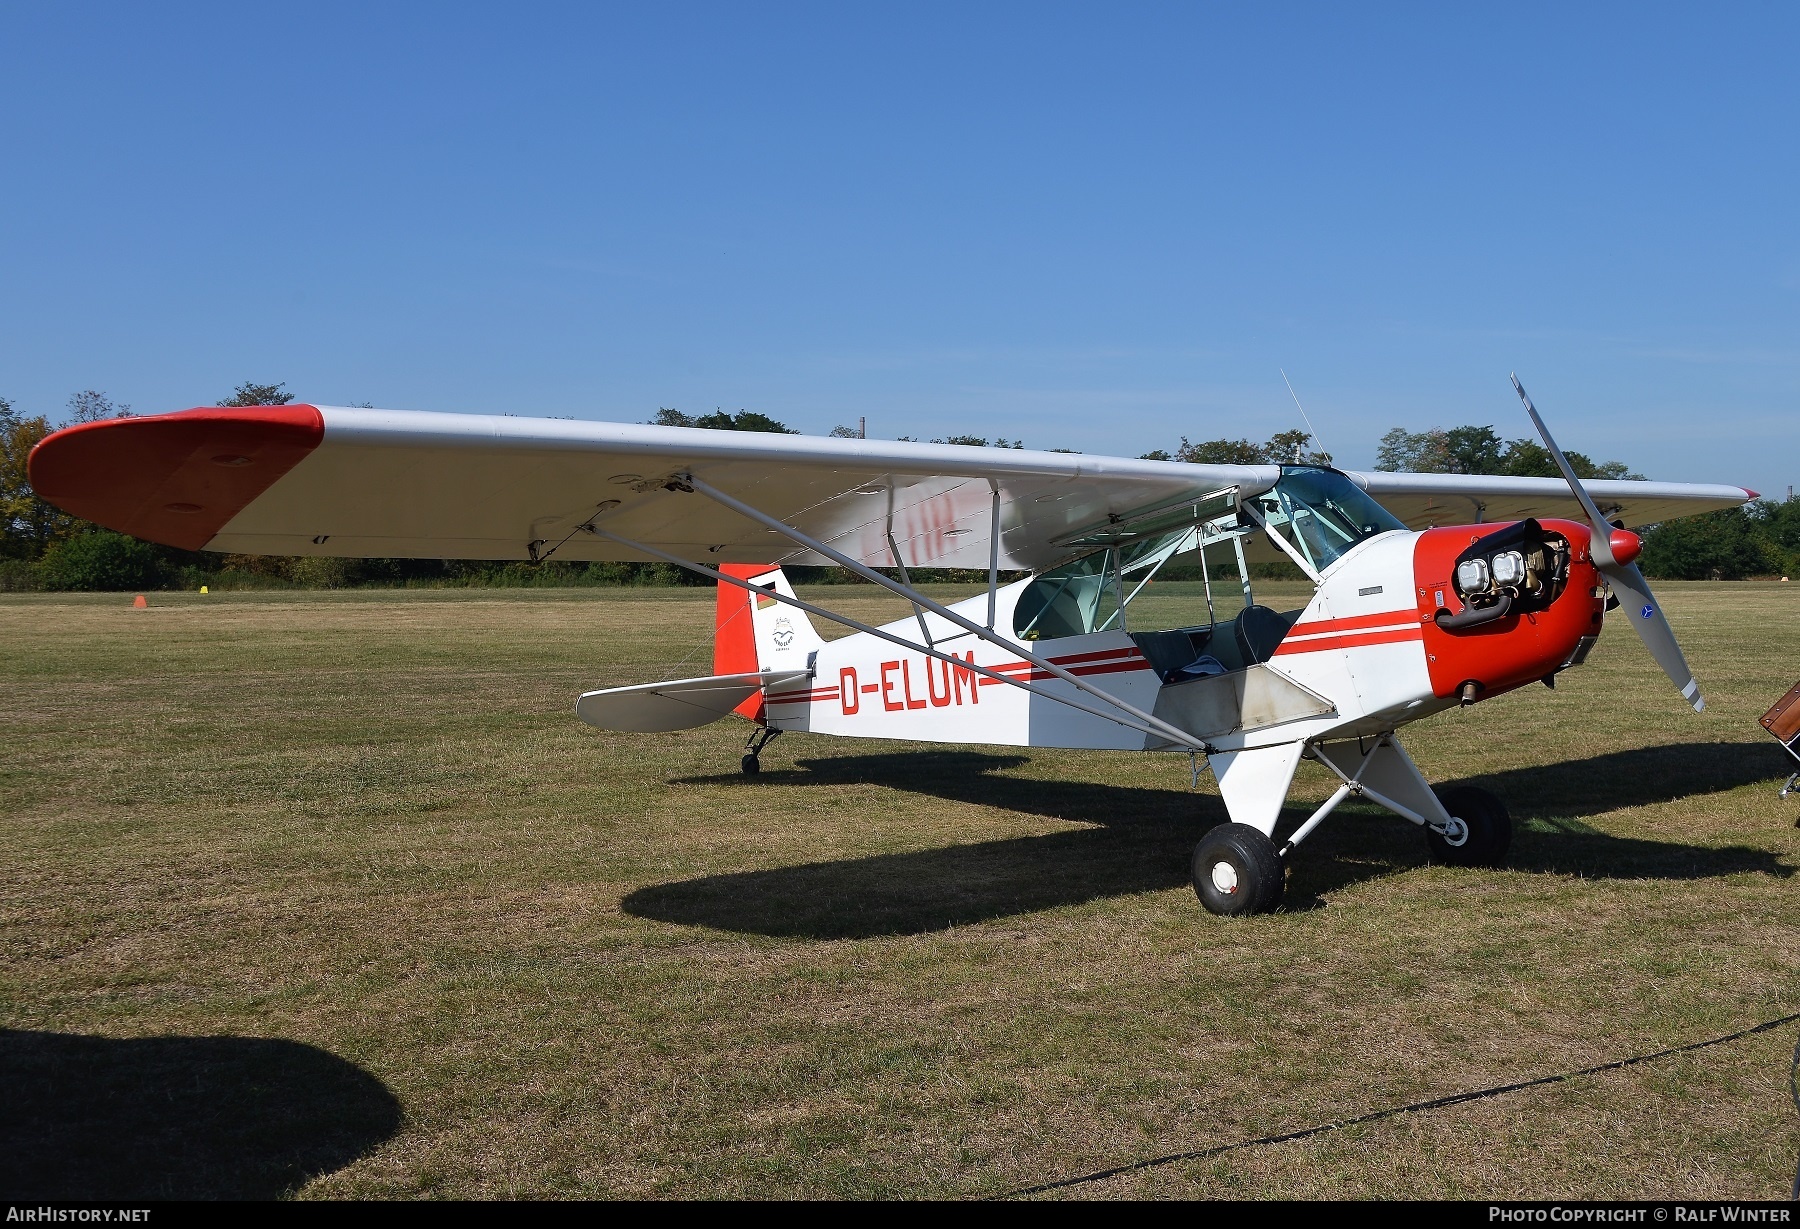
(1237, 871)
(751, 765)
(1480, 830)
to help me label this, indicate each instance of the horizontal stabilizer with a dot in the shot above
(680, 704)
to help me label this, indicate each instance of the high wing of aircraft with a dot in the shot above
(322, 480)
(1430, 590)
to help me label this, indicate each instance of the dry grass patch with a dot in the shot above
(516, 956)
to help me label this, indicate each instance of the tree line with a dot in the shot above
(42, 547)
(1760, 539)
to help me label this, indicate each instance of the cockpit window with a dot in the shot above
(1089, 594)
(1318, 512)
(1322, 514)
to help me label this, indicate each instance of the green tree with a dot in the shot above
(1473, 450)
(325, 572)
(1526, 458)
(1459, 450)
(1780, 523)
(719, 420)
(259, 394)
(1414, 452)
(1724, 545)
(27, 524)
(100, 559)
(91, 405)
(1220, 452)
(976, 441)
(1289, 448)
(1284, 448)
(1479, 450)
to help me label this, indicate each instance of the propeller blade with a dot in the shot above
(1628, 583)
(1653, 628)
(1601, 547)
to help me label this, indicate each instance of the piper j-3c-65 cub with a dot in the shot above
(1431, 590)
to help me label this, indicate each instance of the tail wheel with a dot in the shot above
(1480, 831)
(761, 737)
(1237, 871)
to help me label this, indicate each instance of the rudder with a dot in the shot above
(754, 632)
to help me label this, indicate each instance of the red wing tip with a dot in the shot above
(297, 413)
(1752, 494)
(173, 478)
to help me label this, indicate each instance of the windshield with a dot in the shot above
(1322, 514)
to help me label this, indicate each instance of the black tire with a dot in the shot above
(751, 765)
(1236, 870)
(1489, 827)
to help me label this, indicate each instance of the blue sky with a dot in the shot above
(1096, 227)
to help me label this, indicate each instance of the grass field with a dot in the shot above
(330, 894)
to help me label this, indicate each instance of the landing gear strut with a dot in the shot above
(1237, 867)
(763, 736)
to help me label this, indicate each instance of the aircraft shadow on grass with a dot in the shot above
(179, 1117)
(1142, 837)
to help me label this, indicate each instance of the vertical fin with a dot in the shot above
(754, 632)
(784, 635)
(734, 631)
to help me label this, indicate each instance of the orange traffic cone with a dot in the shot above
(138, 603)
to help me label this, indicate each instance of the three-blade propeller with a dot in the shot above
(1628, 583)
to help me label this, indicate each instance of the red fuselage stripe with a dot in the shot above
(1353, 622)
(1023, 670)
(805, 697)
(1350, 640)
(1125, 659)
(1103, 655)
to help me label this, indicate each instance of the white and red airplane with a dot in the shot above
(1431, 590)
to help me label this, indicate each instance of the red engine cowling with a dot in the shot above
(1539, 632)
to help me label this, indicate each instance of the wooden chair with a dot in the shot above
(1783, 721)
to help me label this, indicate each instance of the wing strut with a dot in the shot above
(912, 595)
(993, 553)
(924, 632)
(1164, 731)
